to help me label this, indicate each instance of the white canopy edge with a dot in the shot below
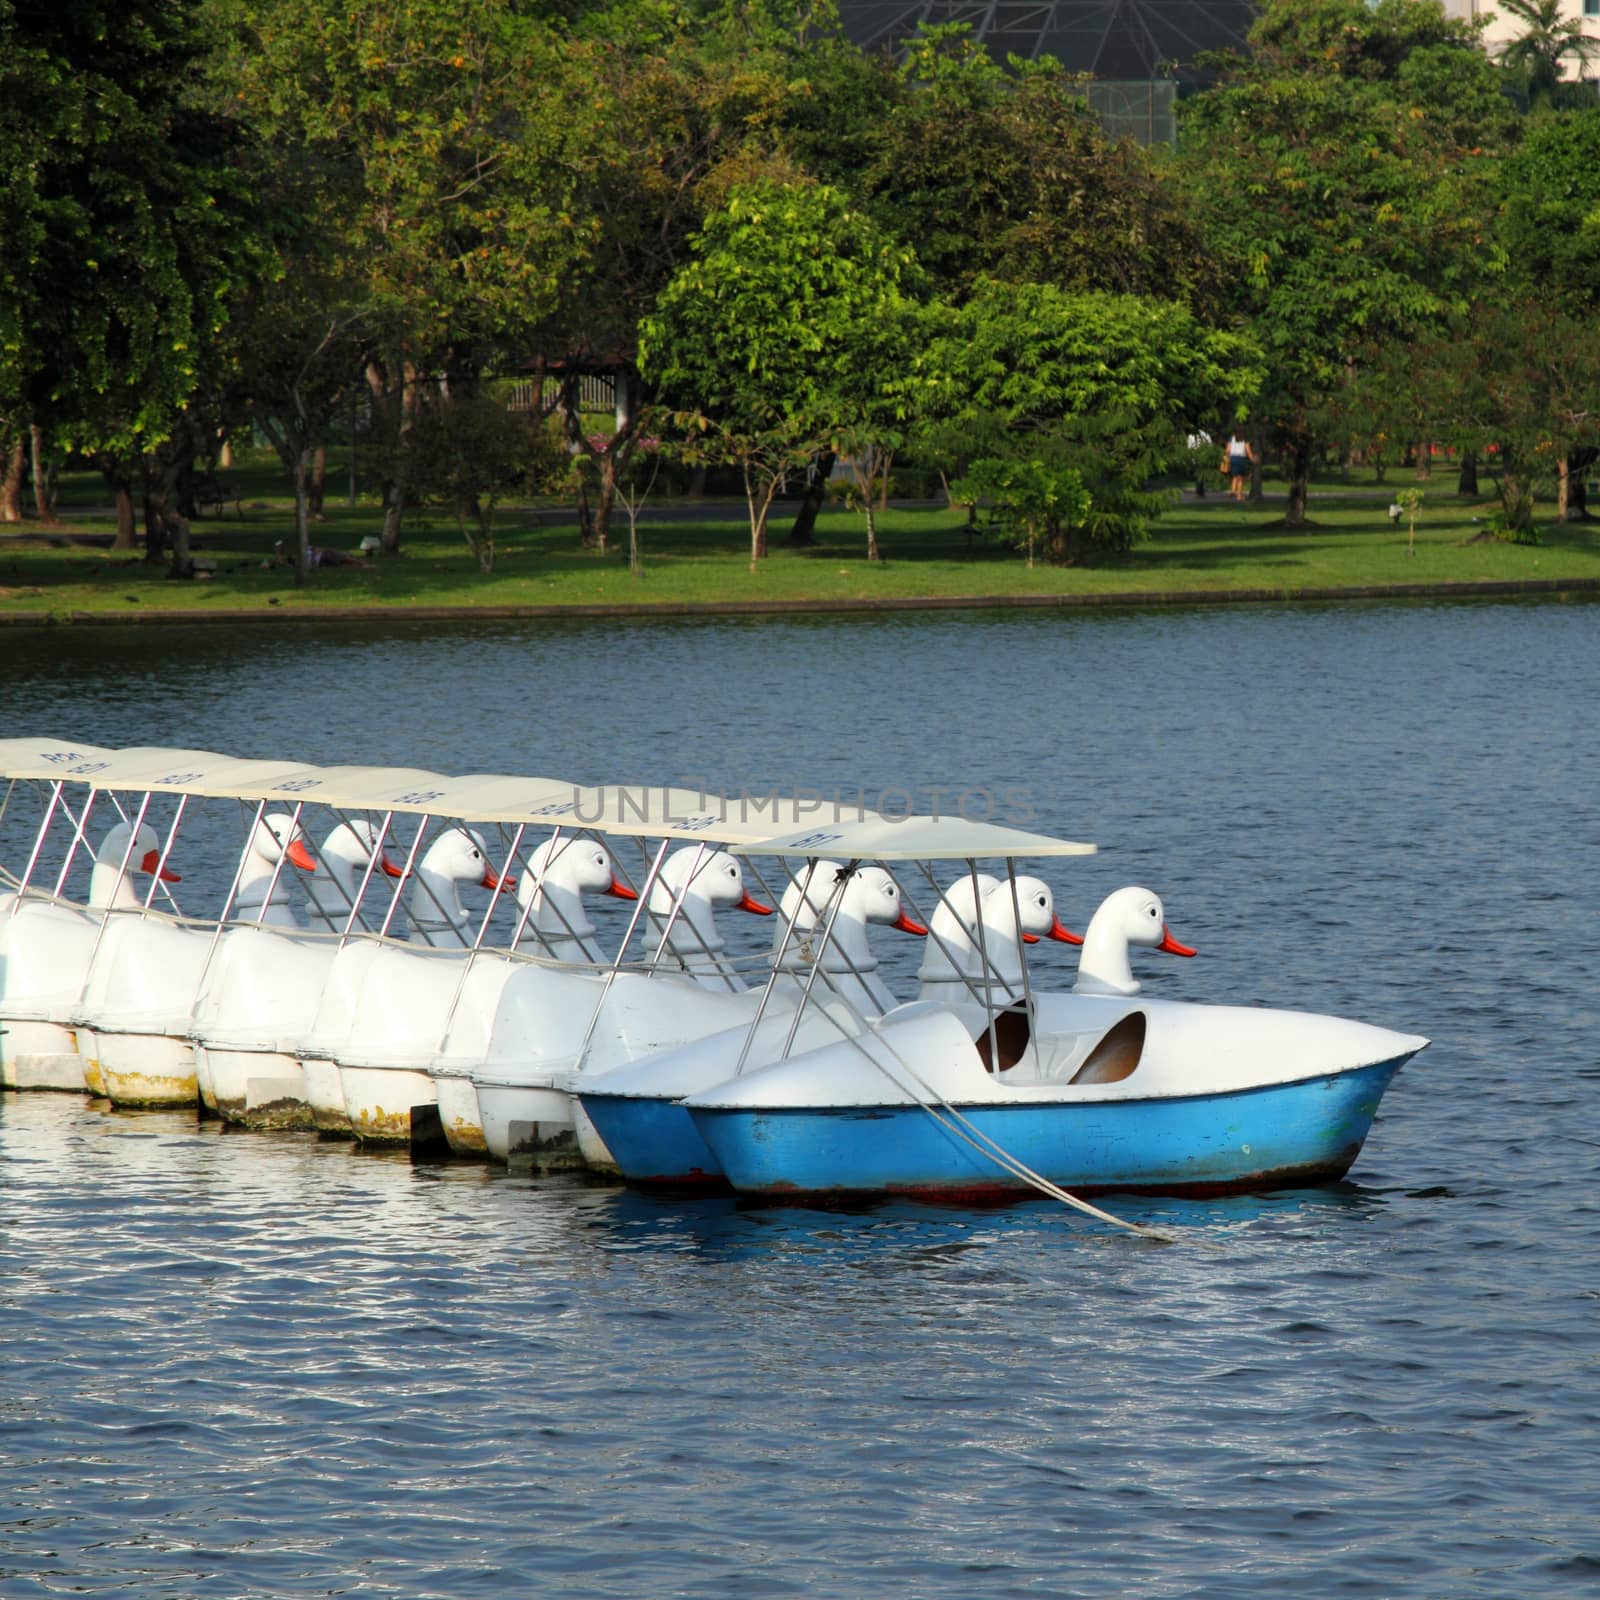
(150, 769)
(913, 839)
(630, 810)
(51, 759)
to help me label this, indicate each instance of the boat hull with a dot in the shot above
(325, 1095)
(530, 1124)
(1285, 1135)
(145, 1070)
(254, 1088)
(653, 1142)
(39, 1055)
(459, 1114)
(382, 1104)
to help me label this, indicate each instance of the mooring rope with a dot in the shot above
(961, 1127)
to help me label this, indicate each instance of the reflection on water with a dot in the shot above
(241, 1363)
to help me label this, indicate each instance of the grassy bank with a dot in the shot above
(1200, 546)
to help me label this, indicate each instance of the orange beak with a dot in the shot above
(906, 925)
(152, 863)
(391, 870)
(1030, 938)
(300, 856)
(1062, 934)
(1171, 945)
(621, 890)
(489, 881)
(747, 904)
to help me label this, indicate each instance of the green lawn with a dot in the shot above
(1199, 546)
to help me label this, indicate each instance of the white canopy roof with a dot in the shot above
(644, 810)
(51, 758)
(913, 839)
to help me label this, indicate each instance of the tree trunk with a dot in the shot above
(1467, 482)
(608, 459)
(394, 508)
(1298, 461)
(606, 464)
(804, 531)
(178, 537)
(318, 487)
(759, 513)
(401, 408)
(758, 535)
(1563, 481)
(44, 478)
(1258, 452)
(16, 466)
(302, 519)
(1516, 496)
(484, 547)
(872, 530)
(1578, 465)
(155, 534)
(167, 529)
(585, 515)
(125, 532)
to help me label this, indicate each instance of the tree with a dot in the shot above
(1550, 227)
(689, 105)
(785, 330)
(1063, 406)
(1343, 171)
(1006, 174)
(470, 454)
(127, 223)
(1524, 395)
(1536, 57)
(451, 133)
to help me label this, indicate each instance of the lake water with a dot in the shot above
(238, 1364)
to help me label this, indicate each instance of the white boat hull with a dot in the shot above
(255, 1088)
(325, 1095)
(146, 1069)
(39, 1055)
(459, 1114)
(382, 1103)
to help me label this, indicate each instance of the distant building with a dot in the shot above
(1501, 28)
(1141, 52)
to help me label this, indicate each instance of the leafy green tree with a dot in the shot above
(452, 133)
(1063, 406)
(472, 453)
(1006, 174)
(786, 328)
(127, 222)
(1523, 395)
(1343, 170)
(1550, 227)
(692, 102)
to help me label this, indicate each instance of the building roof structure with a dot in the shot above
(1114, 39)
(1139, 51)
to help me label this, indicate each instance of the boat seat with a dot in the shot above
(1090, 1057)
(1011, 1034)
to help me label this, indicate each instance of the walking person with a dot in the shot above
(1237, 461)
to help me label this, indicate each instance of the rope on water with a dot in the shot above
(961, 1128)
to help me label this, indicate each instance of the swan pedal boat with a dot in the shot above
(274, 1016)
(1099, 1090)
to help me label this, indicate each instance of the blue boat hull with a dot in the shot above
(654, 1142)
(1281, 1136)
